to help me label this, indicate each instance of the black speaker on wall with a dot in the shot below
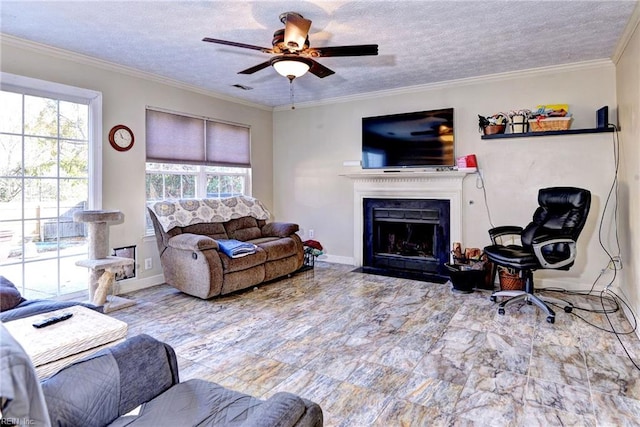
(602, 117)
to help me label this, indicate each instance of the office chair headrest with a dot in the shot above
(561, 196)
(561, 208)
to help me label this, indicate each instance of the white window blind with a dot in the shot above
(175, 138)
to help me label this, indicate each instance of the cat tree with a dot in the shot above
(101, 265)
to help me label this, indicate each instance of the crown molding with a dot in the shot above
(627, 34)
(98, 63)
(110, 66)
(575, 66)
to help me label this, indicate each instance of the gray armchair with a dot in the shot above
(140, 375)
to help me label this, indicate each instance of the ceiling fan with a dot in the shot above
(293, 56)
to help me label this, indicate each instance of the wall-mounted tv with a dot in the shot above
(421, 139)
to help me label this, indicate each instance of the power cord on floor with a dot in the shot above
(607, 296)
(615, 261)
(609, 300)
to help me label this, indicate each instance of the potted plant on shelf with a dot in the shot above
(493, 124)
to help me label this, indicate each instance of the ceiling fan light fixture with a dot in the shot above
(288, 66)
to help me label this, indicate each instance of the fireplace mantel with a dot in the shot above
(437, 185)
(406, 175)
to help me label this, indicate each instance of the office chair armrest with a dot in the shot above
(542, 241)
(504, 230)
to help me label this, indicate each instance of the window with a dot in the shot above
(47, 169)
(195, 157)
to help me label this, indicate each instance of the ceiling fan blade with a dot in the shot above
(255, 68)
(320, 70)
(296, 29)
(355, 50)
(236, 44)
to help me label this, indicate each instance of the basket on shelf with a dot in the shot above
(494, 129)
(510, 281)
(551, 123)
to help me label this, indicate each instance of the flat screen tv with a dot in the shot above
(421, 139)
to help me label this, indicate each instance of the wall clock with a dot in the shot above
(121, 138)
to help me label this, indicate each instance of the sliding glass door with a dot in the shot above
(45, 145)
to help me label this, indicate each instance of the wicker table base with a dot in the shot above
(53, 347)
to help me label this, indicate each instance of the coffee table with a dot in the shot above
(53, 347)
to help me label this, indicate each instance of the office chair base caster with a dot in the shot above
(501, 311)
(551, 319)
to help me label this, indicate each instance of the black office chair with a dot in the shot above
(548, 242)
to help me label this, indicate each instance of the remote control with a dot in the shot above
(51, 320)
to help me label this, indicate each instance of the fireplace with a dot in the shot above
(406, 237)
(431, 185)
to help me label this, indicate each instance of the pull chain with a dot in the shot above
(291, 91)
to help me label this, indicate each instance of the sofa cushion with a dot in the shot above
(279, 229)
(230, 265)
(276, 248)
(151, 356)
(85, 393)
(215, 230)
(194, 402)
(245, 228)
(99, 388)
(9, 295)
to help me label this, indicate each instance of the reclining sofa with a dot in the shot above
(134, 383)
(188, 232)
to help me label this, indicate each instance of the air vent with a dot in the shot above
(243, 87)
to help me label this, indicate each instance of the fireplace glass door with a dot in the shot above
(406, 235)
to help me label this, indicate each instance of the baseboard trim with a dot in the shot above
(126, 286)
(337, 259)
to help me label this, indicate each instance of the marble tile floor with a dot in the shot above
(381, 351)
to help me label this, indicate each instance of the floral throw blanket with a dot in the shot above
(183, 212)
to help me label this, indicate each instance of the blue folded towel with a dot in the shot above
(235, 248)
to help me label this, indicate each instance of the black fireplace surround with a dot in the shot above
(407, 238)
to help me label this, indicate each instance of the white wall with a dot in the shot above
(311, 143)
(125, 96)
(308, 146)
(628, 89)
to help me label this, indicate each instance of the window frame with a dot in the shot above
(201, 169)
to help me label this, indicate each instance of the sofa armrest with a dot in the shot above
(21, 398)
(282, 409)
(192, 242)
(110, 383)
(279, 229)
(39, 306)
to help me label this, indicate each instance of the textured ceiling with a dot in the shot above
(420, 42)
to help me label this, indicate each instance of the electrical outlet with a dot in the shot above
(148, 263)
(311, 233)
